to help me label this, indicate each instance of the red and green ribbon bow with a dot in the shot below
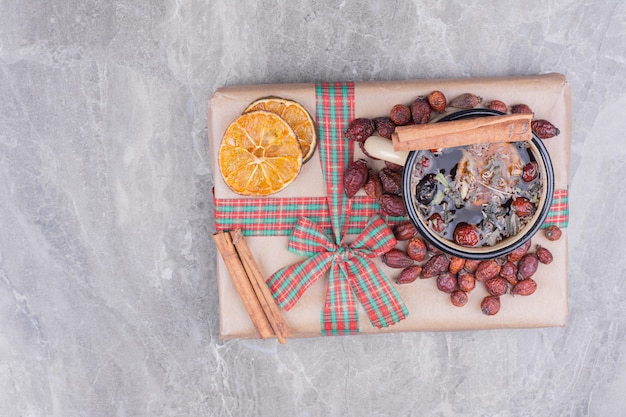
(352, 270)
(352, 273)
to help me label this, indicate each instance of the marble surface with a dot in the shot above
(108, 302)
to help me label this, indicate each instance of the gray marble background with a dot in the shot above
(108, 303)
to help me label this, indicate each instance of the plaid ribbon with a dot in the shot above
(352, 271)
(278, 216)
(559, 210)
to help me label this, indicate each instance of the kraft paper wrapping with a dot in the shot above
(429, 309)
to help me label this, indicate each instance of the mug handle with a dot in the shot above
(382, 148)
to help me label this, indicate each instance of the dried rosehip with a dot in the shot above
(544, 255)
(486, 270)
(544, 129)
(405, 230)
(465, 234)
(497, 105)
(426, 189)
(435, 266)
(360, 129)
(391, 181)
(384, 126)
(523, 207)
(394, 167)
(459, 298)
(397, 258)
(432, 249)
(393, 205)
(437, 101)
(420, 111)
(530, 171)
(508, 271)
(471, 265)
(490, 305)
(373, 187)
(501, 260)
(466, 281)
(497, 286)
(409, 274)
(527, 266)
(355, 177)
(446, 282)
(522, 250)
(524, 287)
(521, 109)
(456, 264)
(435, 222)
(416, 249)
(400, 114)
(552, 232)
(466, 101)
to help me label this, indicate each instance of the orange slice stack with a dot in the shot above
(298, 118)
(260, 154)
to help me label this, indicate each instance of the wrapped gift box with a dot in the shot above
(429, 309)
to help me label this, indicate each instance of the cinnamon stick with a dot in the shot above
(242, 284)
(505, 128)
(272, 312)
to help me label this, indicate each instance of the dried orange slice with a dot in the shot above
(298, 118)
(259, 154)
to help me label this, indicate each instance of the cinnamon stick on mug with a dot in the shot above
(490, 129)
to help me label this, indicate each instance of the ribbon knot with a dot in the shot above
(343, 254)
(352, 273)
